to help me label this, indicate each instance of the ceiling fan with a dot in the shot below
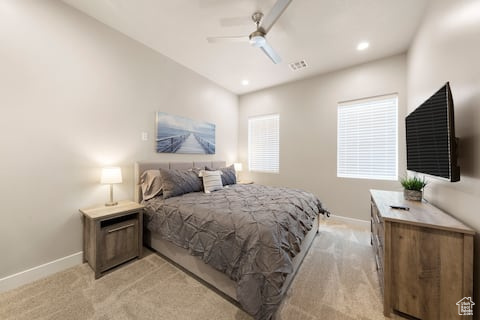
(257, 37)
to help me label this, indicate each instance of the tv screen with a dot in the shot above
(431, 143)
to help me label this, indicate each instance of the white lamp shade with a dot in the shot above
(111, 175)
(238, 166)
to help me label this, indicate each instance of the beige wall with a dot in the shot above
(308, 131)
(447, 48)
(76, 95)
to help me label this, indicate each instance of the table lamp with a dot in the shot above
(110, 176)
(238, 167)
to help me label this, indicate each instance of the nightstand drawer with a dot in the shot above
(120, 243)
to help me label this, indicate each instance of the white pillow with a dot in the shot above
(212, 180)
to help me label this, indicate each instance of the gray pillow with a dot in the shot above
(178, 182)
(151, 183)
(228, 174)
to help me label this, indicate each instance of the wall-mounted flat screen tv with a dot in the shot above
(431, 142)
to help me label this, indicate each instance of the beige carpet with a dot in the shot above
(337, 280)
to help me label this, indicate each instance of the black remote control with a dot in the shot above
(400, 208)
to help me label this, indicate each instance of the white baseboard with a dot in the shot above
(39, 272)
(364, 224)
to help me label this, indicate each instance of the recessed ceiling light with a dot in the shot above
(245, 82)
(362, 46)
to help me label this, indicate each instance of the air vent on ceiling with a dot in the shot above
(295, 66)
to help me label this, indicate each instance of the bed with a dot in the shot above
(247, 241)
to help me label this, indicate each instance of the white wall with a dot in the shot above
(447, 48)
(308, 131)
(75, 95)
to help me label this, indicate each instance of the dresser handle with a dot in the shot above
(377, 220)
(379, 245)
(377, 262)
(120, 228)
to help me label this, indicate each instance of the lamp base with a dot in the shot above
(111, 202)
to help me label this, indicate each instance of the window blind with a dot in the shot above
(367, 138)
(264, 143)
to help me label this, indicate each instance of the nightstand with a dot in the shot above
(245, 182)
(112, 235)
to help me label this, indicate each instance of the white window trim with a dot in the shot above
(366, 176)
(261, 117)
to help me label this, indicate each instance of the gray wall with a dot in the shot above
(308, 131)
(447, 48)
(75, 95)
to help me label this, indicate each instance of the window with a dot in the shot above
(367, 138)
(264, 143)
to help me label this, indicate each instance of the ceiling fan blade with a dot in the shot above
(213, 3)
(236, 21)
(228, 39)
(272, 17)
(268, 50)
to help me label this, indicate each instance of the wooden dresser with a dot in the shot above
(424, 258)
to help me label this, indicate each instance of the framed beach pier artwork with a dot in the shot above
(182, 135)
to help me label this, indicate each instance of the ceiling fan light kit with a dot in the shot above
(257, 38)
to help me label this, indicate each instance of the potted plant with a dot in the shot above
(413, 188)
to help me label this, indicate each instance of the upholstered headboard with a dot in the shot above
(140, 167)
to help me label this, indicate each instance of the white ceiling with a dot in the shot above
(323, 32)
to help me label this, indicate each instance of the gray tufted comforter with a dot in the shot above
(250, 232)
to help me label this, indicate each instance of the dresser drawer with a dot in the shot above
(377, 225)
(379, 271)
(377, 240)
(375, 214)
(380, 234)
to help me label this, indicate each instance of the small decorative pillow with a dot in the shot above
(212, 180)
(151, 184)
(178, 182)
(228, 175)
